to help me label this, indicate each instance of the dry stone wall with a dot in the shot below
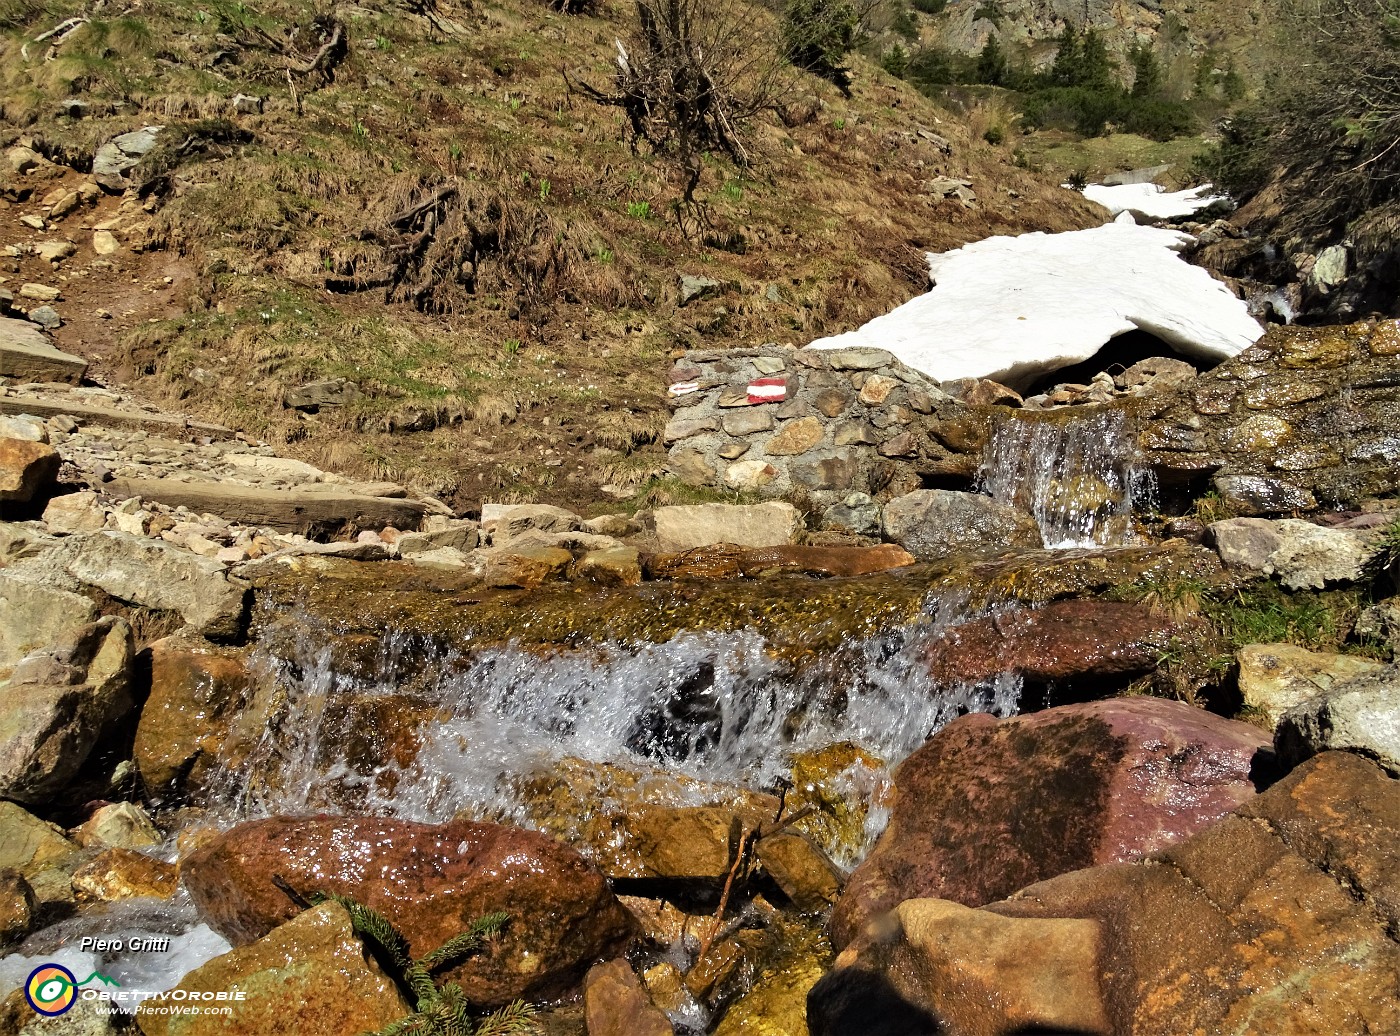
(785, 422)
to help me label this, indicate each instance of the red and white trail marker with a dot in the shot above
(767, 390)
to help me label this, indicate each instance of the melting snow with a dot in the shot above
(1148, 202)
(1013, 308)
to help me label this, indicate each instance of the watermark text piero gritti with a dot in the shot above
(152, 944)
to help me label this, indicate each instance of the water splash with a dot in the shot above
(1077, 473)
(716, 708)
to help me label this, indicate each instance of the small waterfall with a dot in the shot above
(1076, 472)
(713, 708)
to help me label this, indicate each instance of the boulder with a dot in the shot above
(34, 616)
(29, 845)
(18, 907)
(626, 822)
(117, 874)
(525, 565)
(27, 356)
(75, 512)
(990, 806)
(155, 574)
(858, 513)
(23, 426)
(510, 521)
(118, 825)
(312, 509)
(121, 154)
(28, 470)
(1300, 553)
(196, 693)
(935, 523)
(312, 976)
(967, 972)
(687, 526)
(1087, 642)
(776, 1003)
(1275, 677)
(314, 395)
(616, 1004)
(59, 705)
(612, 566)
(804, 873)
(431, 881)
(1360, 714)
(729, 561)
(1278, 920)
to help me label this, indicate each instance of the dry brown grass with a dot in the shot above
(542, 303)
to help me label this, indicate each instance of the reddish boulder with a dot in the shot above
(431, 881)
(1280, 919)
(1078, 640)
(987, 807)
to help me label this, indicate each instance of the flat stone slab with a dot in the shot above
(26, 354)
(286, 510)
(84, 414)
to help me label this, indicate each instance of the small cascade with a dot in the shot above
(1076, 472)
(711, 707)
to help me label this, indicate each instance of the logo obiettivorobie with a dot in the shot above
(52, 989)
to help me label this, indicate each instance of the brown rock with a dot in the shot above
(310, 977)
(615, 566)
(802, 871)
(1247, 927)
(877, 389)
(825, 561)
(75, 512)
(1080, 640)
(124, 874)
(1103, 781)
(615, 1004)
(27, 470)
(17, 906)
(622, 819)
(431, 881)
(795, 437)
(976, 973)
(717, 561)
(526, 566)
(196, 691)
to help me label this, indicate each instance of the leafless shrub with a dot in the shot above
(691, 76)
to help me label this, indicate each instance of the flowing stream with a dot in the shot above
(1076, 473)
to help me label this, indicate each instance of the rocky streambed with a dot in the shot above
(894, 766)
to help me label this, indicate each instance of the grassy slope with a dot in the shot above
(546, 366)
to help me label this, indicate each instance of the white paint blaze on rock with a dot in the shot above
(1014, 308)
(1148, 202)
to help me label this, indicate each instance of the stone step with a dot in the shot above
(27, 355)
(318, 512)
(168, 424)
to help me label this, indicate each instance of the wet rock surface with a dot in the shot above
(1086, 643)
(934, 524)
(431, 881)
(1103, 781)
(1328, 394)
(311, 976)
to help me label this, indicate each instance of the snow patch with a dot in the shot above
(1148, 202)
(1014, 308)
